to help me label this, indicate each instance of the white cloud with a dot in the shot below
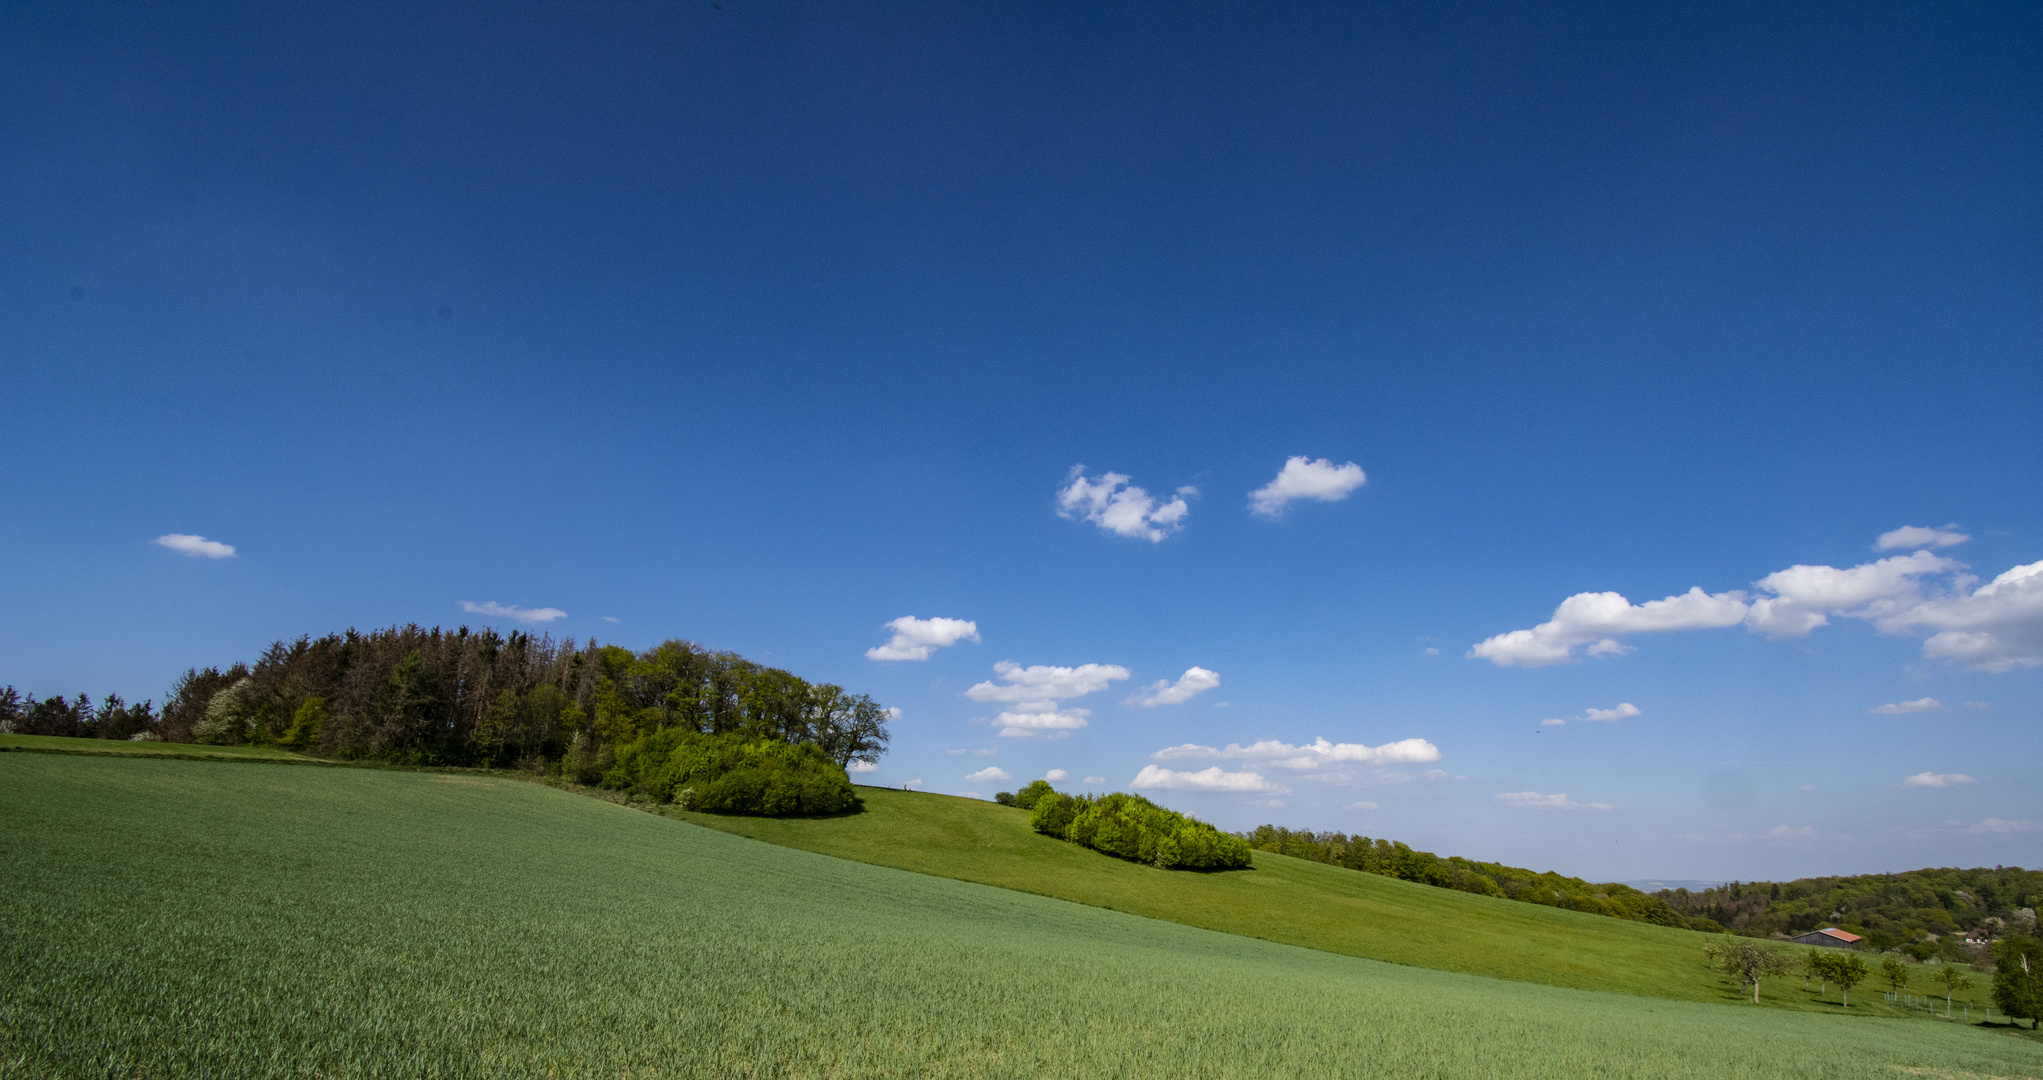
(1195, 681)
(1363, 805)
(1548, 802)
(512, 612)
(862, 766)
(915, 639)
(2002, 825)
(1123, 510)
(1213, 779)
(1055, 775)
(1594, 620)
(198, 547)
(1032, 718)
(987, 752)
(1915, 536)
(1625, 710)
(1303, 478)
(611, 619)
(990, 772)
(1552, 722)
(1896, 708)
(1318, 754)
(1930, 779)
(1994, 627)
(1044, 683)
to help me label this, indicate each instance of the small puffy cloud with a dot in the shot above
(1363, 805)
(1806, 596)
(512, 612)
(198, 547)
(990, 772)
(611, 619)
(1303, 478)
(1195, 681)
(2002, 825)
(915, 639)
(1045, 683)
(1212, 779)
(862, 766)
(1032, 718)
(1896, 708)
(1095, 779)
(1790, 832)
(1930, 779)
(1595, 619)
(1112, 504)
(1916, 536)
(1318, 755)
(1552, 722)
(1056, 775)
(1625, 710)
(1547, 802)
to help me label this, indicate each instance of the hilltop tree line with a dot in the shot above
(435, 697)
(1924, 913)
(1393, 859)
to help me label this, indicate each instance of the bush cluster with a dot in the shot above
(1132, 827)
(732, 774)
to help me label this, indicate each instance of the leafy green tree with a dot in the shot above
(1896, 974)
(1952, 981)
(1818, 964)
(1849, 970)
(1747, 961)
(1027, 797)
(2018, 977)
(306, 724)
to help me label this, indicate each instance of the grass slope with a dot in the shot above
(55, 744)
(187, 918)
(1282, 899)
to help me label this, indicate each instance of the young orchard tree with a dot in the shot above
(1896, 974)
(1816, 964)
(1747, 961)
(1952, 981)
(1848, 970)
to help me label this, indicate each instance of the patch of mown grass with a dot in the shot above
(183, 918)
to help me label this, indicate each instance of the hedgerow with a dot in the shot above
(731, 774)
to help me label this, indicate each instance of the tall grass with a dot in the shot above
(186, 919)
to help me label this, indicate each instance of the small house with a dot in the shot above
(1829, 935)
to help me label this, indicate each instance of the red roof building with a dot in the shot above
(1831, 936)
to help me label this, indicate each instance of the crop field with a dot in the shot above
(194, 918)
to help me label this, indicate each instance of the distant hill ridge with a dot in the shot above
(1925, 913)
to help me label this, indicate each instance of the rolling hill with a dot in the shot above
(189, 918)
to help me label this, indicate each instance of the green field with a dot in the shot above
(190, 918)
(50, 744)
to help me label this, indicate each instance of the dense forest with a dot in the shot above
(1128, 827)
(1393, 859)
(1925, 913)
(435, 697)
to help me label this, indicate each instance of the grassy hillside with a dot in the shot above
(52, 744)
(183, 918)
(1282, 899)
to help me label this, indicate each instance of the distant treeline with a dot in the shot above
(1925, 913)
(462, 697)
(1392, 859)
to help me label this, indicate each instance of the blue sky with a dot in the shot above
(766, 325)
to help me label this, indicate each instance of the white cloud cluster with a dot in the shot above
(1095, 779)
(1035, 691)
(990, 772)
(1993, 627)
(1195, 681)
(1303, 478)
(1111, 503)
(1909, 537)
(1317, 755)
(1056, 775)
(1537, 801)
(1211, 779)
(511, 611)
(198, 547)
(1897, 708)
(915, 639)
(1625, 710)
(1930, 779)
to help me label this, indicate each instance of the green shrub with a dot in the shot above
(730, 774)
(1027, 797)
(1131, 827)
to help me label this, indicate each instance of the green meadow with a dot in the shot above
(198, 918)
